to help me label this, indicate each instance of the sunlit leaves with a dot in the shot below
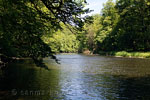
(63, 41)
(24, 22)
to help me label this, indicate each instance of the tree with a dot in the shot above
(91, 29)
(130, 31)
(133, 27)
(109, 18)
(24, 22)
(63, 40)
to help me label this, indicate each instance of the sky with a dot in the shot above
(95, 5)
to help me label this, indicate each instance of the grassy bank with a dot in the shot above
(126, 54)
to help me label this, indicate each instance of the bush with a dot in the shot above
(122, 53)
(126, 54)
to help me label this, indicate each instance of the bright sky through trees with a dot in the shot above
(96, 5)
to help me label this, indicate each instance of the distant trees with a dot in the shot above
(123, 26)
(102, 26)
(109, 18)
(63, 40)
(133, 27)
(91, 30)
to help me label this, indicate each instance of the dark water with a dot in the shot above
(78, 77)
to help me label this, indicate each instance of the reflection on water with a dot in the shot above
(78, 77)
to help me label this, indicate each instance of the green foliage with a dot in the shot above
(88, 36)
(123, 54)
(63, 41)
(132, 29)
(31, 28)
(22, 30)
(24, 22)
(108, 20)
(133, 54)
(123, 26)
(126, 54)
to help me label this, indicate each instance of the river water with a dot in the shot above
(78, 77)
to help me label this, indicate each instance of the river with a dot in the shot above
(77, 77)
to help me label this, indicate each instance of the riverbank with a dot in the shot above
(126, 54)
(118, 54)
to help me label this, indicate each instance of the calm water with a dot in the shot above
(78, 77)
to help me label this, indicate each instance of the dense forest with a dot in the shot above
(123, 25)
(24, 23)
(41, 28)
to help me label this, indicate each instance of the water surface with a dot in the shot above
(78, 77)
